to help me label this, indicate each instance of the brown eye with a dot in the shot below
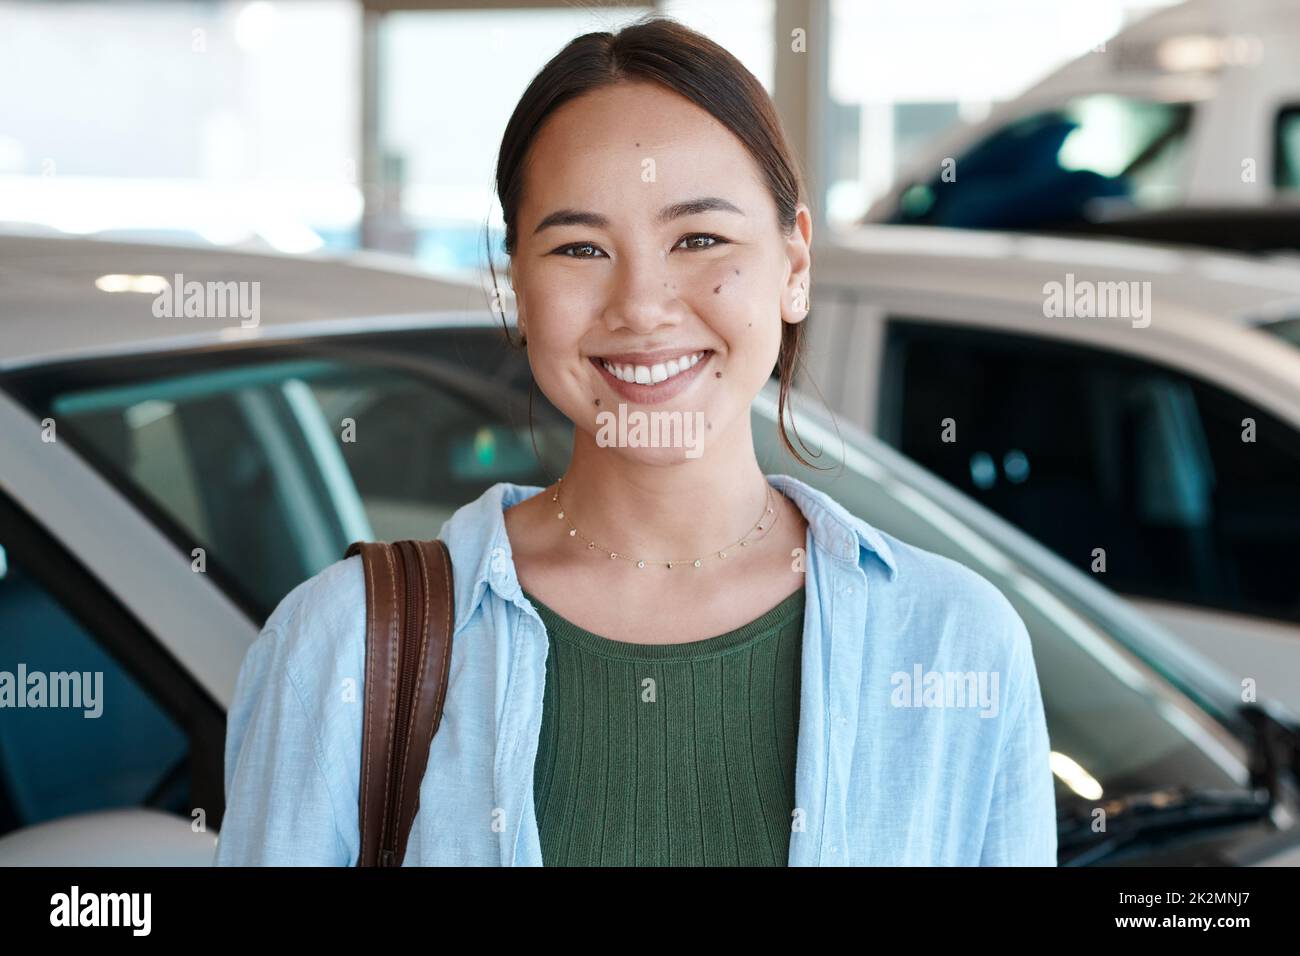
(569, 250)
(710, 241)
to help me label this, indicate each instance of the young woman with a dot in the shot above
(666, 657)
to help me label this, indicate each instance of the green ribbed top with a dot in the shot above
(669, 754)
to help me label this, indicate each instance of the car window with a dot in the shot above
(1286, 164)
(1093, 156)
(1192, 493)
(426, 450)
(265, 468)
(79, 733)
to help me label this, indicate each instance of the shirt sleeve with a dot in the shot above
(1021, 827)
(279, 810)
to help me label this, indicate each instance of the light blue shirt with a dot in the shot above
(921, 738)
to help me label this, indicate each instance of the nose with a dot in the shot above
(644, 296)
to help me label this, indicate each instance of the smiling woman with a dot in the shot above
(665, 656)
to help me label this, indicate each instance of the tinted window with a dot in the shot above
(78, 732)
(273, 463)
(1096, 155)
(1084, 450)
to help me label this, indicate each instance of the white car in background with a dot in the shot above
(1184, 126)
(177, 435)
(1121, 433)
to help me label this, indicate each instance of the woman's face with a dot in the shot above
(623, 278)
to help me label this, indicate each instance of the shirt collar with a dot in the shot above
(477, 541)
(834, 529)
(476, 538)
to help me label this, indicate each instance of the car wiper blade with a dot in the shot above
(1152, 815)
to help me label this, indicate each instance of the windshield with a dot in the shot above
(1092, 156)
(273, 458)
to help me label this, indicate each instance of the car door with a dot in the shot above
(109, 751)
(1162, 485)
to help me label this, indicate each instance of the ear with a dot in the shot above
(796, 297)
(520, 324)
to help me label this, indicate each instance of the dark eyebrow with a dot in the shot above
(691, 207)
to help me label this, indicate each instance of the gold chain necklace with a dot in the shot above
(697, 562)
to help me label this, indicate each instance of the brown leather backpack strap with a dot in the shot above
(409, 623)
(427, 675)
(380, 691)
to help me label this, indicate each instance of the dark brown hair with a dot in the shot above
(661, 50)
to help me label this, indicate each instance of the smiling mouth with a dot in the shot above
(653, 373)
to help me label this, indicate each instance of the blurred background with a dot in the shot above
(326, 124)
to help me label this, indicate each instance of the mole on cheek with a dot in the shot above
(737, 272)
(598, 401)
(717, 288)
(717, 375)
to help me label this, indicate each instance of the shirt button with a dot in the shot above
(835, 849)
(848, 590)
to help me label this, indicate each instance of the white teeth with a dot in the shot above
(652, 374)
